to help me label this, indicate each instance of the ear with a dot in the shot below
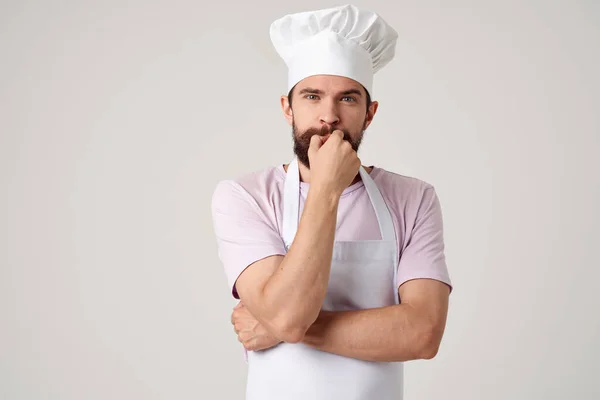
(370, 114)
(287, 110)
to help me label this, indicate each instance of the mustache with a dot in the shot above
(324, 130)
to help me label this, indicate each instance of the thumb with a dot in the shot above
(315, 144)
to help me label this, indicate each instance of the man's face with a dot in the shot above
(324, 103)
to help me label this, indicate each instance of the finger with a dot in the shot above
(315, 143)
(337, 134)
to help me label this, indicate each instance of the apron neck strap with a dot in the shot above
(291, 202)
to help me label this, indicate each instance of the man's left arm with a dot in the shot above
(407, 331)
(412, 329)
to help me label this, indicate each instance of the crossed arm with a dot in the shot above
(281, 295)
(407, 331)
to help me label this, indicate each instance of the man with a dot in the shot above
(339, 267)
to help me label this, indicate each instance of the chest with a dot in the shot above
(363, 266)
(356, 218)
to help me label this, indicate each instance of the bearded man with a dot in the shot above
(339, 267)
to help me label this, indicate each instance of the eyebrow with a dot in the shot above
(318, 91)
(310, 90)
(352, 91)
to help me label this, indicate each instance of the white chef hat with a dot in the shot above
(344, 41)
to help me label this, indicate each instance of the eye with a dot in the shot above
(350, 98)
(311, 96)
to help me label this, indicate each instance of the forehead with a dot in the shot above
(329, 83)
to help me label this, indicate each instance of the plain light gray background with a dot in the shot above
(117, 119)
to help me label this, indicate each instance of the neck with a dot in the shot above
(305, 173)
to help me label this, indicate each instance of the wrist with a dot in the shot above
(324, 195)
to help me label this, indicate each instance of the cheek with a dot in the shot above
(303, 118)
(354, 118)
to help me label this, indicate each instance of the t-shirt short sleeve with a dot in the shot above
(423, 255)
(244, 233)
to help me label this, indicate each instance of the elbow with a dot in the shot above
(429, 353)
(290, 331)
(429, 344)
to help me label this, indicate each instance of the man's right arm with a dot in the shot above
(285, 294)
(285, 291)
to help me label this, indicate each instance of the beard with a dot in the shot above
(302, 140)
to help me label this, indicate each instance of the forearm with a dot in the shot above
(393, 333)
(297, 289)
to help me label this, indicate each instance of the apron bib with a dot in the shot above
(363, 275)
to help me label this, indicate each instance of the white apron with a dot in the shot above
(363, 275)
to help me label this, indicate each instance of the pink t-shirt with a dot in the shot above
(247, 216)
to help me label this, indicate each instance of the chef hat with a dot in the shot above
(344, 41)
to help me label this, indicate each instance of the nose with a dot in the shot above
(329, 114)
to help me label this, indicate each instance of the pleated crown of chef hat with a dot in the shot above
(343, 41)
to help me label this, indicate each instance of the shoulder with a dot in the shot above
(410, 199)
(253, 187)
(402, 188)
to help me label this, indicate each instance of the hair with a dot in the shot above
(366, 91)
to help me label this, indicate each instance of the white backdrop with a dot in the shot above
(117, 119)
